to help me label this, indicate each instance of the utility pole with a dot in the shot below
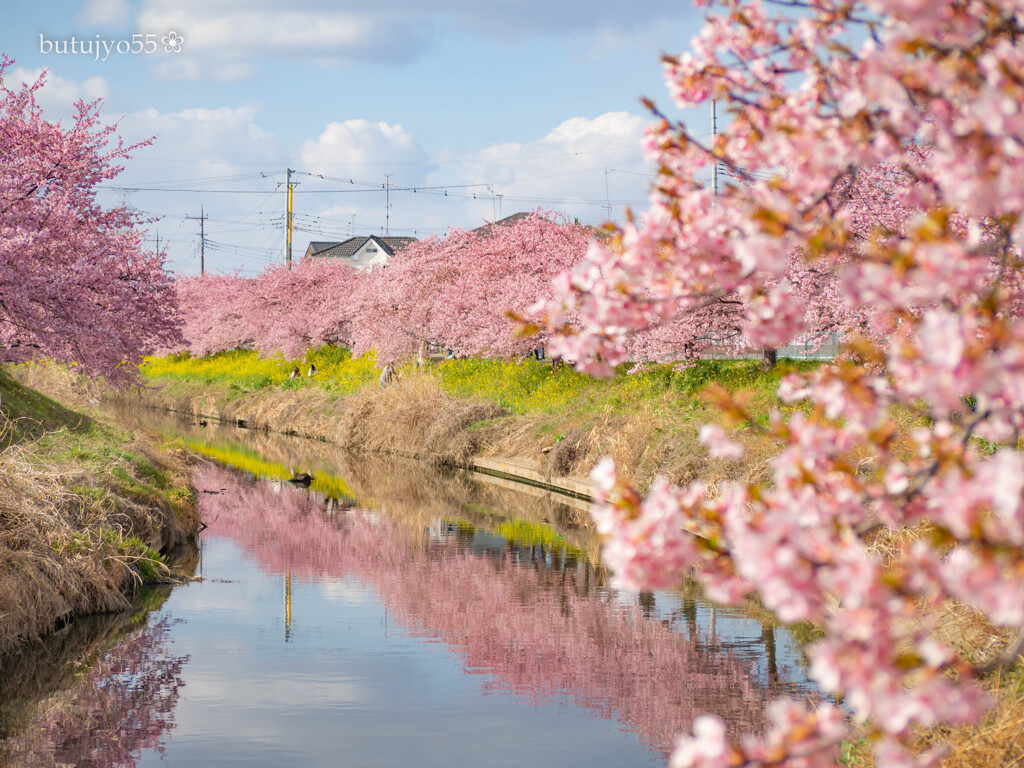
(288, 255)
(202, 239)
(387, 202)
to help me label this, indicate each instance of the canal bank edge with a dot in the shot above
(88, 511)
(413, 420)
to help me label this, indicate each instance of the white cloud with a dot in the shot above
(104, 13)
(564, 170)
(581, 166)
(58, 96)
(226, 134)
(392, 33)
(219, 32)
(207, 151)
(184, 68)
(359, 146)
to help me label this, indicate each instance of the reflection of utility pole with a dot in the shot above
(287, 603)
(689, 612)
(202, 239)
(768, 638)
(647, 605)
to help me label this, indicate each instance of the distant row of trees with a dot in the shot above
(469, 290)
(453, 292)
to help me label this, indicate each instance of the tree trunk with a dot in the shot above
(769, 360)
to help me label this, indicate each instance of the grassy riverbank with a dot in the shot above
(559, 419)
(86, 509)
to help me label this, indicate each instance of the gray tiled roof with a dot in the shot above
(395, 243)
(346, 249)
(483, 230)
(317, 246)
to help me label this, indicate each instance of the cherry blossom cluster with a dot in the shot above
(283, 310)
(875, 151)
(75, 283)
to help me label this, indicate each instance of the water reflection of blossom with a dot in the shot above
(536, 631)
(122, 705)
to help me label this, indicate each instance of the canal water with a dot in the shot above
(387, 615)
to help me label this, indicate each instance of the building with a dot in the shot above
(486, 228)
(361, 251)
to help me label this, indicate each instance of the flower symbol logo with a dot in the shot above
(172, 42)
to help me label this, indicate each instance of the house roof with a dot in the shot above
(346, 249)
(394, 244)
(318, 246)
(483, 230)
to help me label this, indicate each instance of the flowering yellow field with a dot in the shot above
(521, 386)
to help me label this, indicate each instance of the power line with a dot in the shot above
(413, 163)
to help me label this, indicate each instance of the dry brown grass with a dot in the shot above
(999, 741)
(80, 502)
(53, 561)
(415, 418)
(70, 389)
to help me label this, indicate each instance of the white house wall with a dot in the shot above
(366, 257)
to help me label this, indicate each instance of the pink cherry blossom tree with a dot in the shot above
(457, 292)
(715, 323)
(292, 310)
(214, 312)
(280, 311)
(75, 283)
(925, 96)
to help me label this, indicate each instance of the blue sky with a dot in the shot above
(505, 106)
